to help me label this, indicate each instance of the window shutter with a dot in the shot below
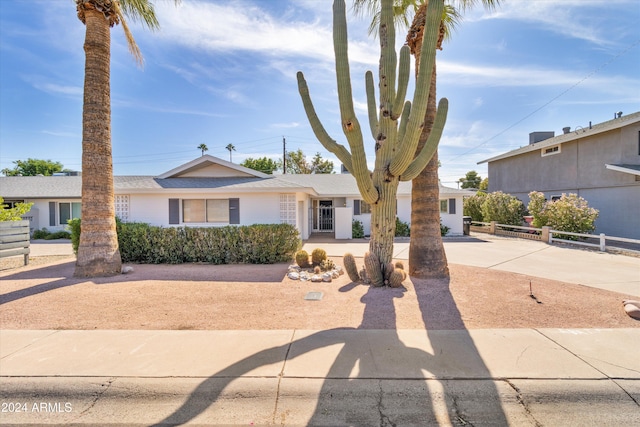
(452, 206)
(52, 214)
(234, 211)
(356, 207)
(174, 211)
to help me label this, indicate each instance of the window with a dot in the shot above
(444, 206)
(67, 211)
(209, 210)
(288, 209)
(360, 207)
(122, 207)
(550, 150)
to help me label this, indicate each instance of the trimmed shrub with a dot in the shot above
(503, 208)
(569, 213)
(402, 229)
(357, 229)
(251, 244)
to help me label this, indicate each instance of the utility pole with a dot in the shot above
(284, 156)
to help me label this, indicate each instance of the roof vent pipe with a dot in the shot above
(566, 130)
(618, 115)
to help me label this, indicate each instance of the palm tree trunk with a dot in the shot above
(427, 258)
(98, 253)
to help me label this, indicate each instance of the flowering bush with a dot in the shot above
(472, 206)
(502, 208)
(569, 213)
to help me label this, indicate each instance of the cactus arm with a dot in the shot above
(430, 146)
(404, 119)
(350, 124)
(318, 129)
(407, 147)
(388, 61)
(403, 81)
(371, 103)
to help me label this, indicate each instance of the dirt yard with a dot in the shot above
(44, 295)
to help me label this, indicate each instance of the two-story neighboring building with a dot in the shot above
(600, 163)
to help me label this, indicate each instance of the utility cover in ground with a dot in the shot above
(313, 296)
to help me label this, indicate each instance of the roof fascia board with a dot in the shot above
(216, 160)
(571, 136)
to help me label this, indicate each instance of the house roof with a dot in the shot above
(630, 169)
(571, 136)
(206, 173)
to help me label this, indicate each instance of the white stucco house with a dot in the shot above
(209, 191)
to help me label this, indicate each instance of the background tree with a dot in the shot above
(569, 213)
(231, 148)
(203, 147)
(15, 213)
(262, 164)
(98, 253)
(472, 206)
(427, 258)
(484, 185)
(471, 180)
(297, 163)
(503, 208)
(33, 167)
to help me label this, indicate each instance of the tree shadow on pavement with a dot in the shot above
(378, 377)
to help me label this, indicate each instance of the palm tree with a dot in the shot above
(427, 258)
(203, 148)
(98, 253)
(231, 148)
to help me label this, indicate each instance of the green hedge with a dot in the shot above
(252, 244)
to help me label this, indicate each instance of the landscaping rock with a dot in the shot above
(316, 278)
(304, 276)
(326, 277)
(293, 275)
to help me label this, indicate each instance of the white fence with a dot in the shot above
(546, 234)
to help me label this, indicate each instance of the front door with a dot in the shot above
(322, 216)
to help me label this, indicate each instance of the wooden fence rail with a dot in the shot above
(14, 239)
(546, 234)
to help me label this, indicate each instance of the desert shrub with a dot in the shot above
(15, 213)
(252, 244)
(402, 228)
(357, 230)
(318, 255)
(74, 227)
(569, 213)
(502, 208)
(443, 229)
(41, 234)
(472, 206)
(58, 235)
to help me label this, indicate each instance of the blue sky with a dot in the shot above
(221, 72)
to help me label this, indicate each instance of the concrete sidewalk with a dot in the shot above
(334, 377)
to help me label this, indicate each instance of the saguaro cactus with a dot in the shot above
(395, 124)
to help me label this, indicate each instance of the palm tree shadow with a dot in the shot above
(386, 368)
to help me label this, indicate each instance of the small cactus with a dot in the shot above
(317, 270)
(327, 265)
(399, 265)
(388, 269)
(374, 268)
(302, 258)
(350, 265)
(396, 278)
(364, 276)
(318, 255)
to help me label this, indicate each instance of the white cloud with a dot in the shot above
(285, 125)
(577, 19)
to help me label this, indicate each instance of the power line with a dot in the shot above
(623, 52)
